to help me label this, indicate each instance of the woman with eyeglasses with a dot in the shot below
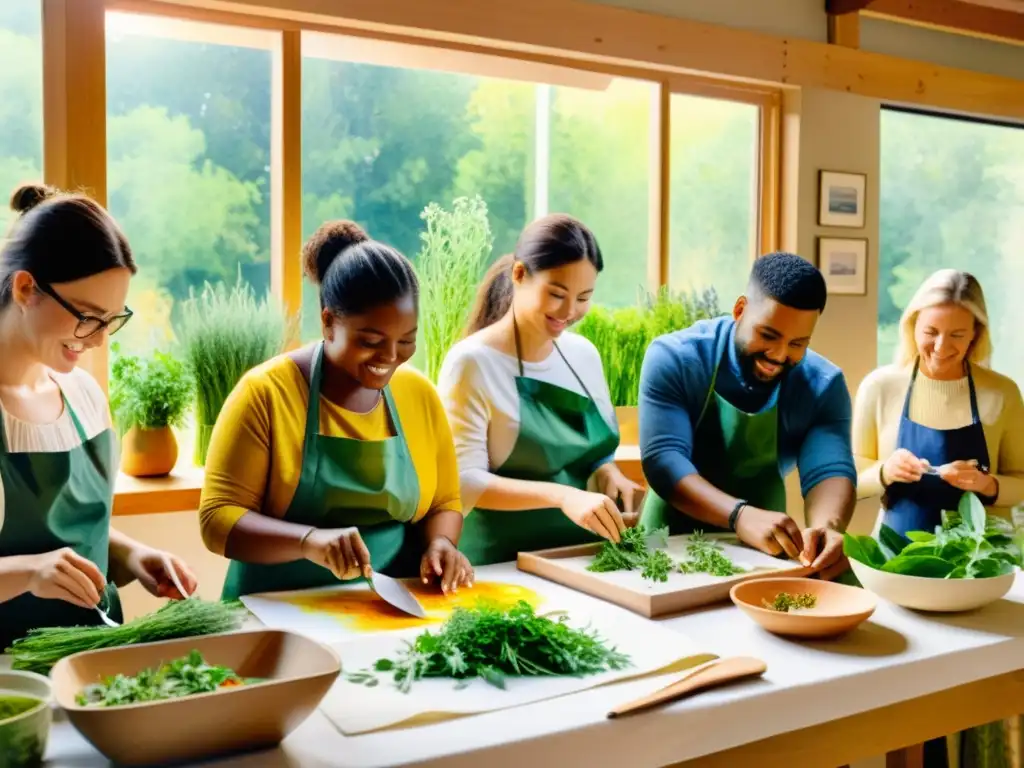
(64, 274)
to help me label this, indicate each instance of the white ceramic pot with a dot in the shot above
(938, 595)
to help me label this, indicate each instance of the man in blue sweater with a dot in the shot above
(729, 406)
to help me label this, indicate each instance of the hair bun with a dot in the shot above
(28, 196)
(328, 243)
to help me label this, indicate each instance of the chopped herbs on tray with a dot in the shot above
(491, 642)
(704, 555)
(785, 602)
(968, 544)
(632, 553)
(42, 648)
(182, 677)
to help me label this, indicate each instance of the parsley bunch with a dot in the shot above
(491, 642)
(633, 554)
(703, 555)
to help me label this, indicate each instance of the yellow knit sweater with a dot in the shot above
(878, 407)
(255, 453)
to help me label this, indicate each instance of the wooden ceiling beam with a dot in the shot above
(843, 7)
(956, 16)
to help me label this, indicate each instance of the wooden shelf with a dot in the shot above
(179, 491)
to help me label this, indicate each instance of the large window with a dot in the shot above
(21, 99)
(188, 143)
(714, 194)
(390, 128)
(953, 196)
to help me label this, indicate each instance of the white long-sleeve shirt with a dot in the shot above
(477, 385)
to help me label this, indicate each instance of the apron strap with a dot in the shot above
(719, 353)
(519, 359)
(910, 389)
(975, 413)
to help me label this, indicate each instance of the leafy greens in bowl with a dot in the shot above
(967, 545)
(968, 562)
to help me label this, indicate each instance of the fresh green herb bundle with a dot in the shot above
(149, 392)
(225, 331)
(968, 544)
(42, 648)
(456, 248)
(491, 642)
(186, 676)
(785, 602)
(632, 554)
(703, 555)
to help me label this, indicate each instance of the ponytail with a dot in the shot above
(494, 297)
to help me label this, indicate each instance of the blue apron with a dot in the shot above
(918, 506)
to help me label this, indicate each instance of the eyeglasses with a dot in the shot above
(89, 325)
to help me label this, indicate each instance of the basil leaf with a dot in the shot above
(920, 536)
(988, 567)
(960, 572)
(891, 542)
(924, 565)
(995, 525)
(921, 548)
(863, 549)
(972, 512)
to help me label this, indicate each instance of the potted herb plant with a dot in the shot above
(148, 397)
(224, 332)
(456, 249)
(622, 336)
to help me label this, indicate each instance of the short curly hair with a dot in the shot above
(788, 279)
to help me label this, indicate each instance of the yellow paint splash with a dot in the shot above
(363, 610)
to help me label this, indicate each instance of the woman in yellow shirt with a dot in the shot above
(333, 461)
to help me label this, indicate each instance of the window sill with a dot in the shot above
(179, 491)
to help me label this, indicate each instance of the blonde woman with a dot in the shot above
(940, 407)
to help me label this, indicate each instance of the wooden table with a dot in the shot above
(901, 678)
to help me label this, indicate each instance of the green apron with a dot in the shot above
(344, 482)
(52, 501)
(563, 438)
(735, 451)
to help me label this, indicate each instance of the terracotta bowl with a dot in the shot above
(937, 595)
(839, 608)
(297, 673)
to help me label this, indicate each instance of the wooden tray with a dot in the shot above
(568, 566)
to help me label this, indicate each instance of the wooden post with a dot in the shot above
(286, 172)
(75, 111)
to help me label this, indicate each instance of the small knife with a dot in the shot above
(395, 593)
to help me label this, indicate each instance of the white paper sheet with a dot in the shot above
(744, 557)
(354, 708)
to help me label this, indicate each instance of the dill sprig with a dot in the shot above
(491, 642)
(703, 555)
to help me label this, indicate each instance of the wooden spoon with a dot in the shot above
(700, 677)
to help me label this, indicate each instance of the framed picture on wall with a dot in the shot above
(844, 264)
(841, 199)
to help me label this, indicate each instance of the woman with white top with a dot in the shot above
(534, 426)
(941, 407)
(64, 274)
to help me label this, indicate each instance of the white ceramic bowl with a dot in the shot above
(938, 595)
(23, 735)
